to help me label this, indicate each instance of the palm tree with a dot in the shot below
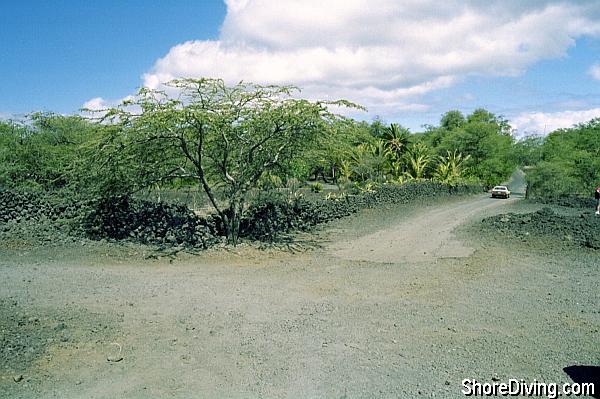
(418, 158)
(395, 140)
(369, 161)
(379, 159)
(359, 161)
(450, 167)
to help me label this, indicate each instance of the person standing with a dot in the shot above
(597, 196)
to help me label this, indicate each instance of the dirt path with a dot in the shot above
(427, 236)
(338, 322)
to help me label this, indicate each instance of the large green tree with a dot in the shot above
(222, 137)
(487, 142)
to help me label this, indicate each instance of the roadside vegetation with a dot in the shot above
(565, 164)
(263, 161)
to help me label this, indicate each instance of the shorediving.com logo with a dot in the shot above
(515, 387)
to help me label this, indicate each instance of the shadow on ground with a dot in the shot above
(585, 374)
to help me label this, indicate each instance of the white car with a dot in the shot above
(500, 192)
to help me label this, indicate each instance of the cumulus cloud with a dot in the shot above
(383, 54)
(96, 107)
(542, 123)
(99, 103)
(96, 104)
(594, 71)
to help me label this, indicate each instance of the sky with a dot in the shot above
(537, 63)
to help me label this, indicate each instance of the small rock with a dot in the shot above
(60, 326)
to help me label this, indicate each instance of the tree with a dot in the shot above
(377, 127)
(40, 151)
(369, 162)
(450, 168)
(486, 140)
(13, 170)
(396, 140)
(452, 120)
(528, 150)
(417, 161)
(333, 151)
(570, 162)
(222, 137)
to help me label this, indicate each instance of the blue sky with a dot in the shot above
(57, 55)
(536, 63)
(550, 86)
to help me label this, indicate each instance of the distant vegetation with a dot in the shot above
(566, 163)
(235, 141)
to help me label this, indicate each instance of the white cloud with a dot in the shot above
(384, 54)
(546, 122)
(99, 103)
(96, 107)
(594, 71)
(96, 104)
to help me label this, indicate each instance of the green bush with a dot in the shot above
(316, 187)
(570, 164)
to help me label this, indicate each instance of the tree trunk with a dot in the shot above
(234, 218)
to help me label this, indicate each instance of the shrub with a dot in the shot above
(316, 187)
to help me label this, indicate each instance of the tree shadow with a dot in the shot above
(585, 374)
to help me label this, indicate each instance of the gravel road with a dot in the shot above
(394, 302)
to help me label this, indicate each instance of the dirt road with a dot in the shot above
(426, 236)
(403, 302)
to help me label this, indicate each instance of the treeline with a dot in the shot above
(476, 149)
(565, 163)
(52, 152)
(43, 151)
(234, 141)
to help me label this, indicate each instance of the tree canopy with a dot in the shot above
(223, 137)
(570, 162)
(482, 139)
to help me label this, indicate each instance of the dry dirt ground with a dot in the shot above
(397, 302)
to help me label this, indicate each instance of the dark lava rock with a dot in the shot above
(266, 220)
(581, 230)
(570, 202)
(148, 222)
(47, 218)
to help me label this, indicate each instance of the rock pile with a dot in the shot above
(29, 215)
(581, 230)
(39, 217)
(22, 206)
(34, 217)
(270, 218)
(150, 223)
(570, 202)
